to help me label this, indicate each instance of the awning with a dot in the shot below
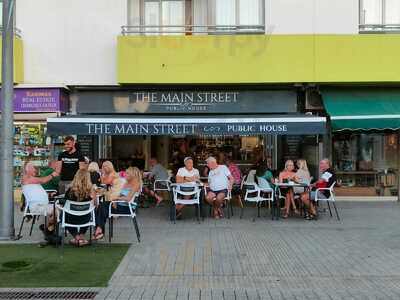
(188, 125)
(363, 109)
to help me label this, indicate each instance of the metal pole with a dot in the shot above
(7, 125)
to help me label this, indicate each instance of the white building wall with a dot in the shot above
(71, 42)
(74, 42)
(312, 16)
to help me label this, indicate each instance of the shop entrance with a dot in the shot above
(245, 151)
(246, 139)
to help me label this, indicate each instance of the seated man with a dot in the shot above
(327, 178)
(157, 172)
(220, 181)
(186, 175)
(35, 195)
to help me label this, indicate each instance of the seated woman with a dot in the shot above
(108, 173)
(128, 189)
(285, 176)
(94, 171)
(81, 190)
(302, 175)
(263, 171)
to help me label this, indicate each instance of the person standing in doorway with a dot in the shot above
(70, 161)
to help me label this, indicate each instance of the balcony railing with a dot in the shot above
(379, 28)
(192, 29)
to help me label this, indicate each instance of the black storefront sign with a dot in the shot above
(186, 102)
(157, 127)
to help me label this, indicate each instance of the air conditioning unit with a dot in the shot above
(313, 100)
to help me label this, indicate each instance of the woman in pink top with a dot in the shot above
(235, 171)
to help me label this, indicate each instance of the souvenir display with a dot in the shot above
(32, 144)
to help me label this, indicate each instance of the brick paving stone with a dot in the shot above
(136, 293)
(194, 294)
(125, 294)
(252, 294)
(240, 294)
(148, 293)
(205, 294)
(228, 294)
(182, 294)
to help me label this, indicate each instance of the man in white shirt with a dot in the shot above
(186, 175)
(220, 180)
(35, 195)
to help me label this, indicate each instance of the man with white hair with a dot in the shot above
(326, 180)
(35, 195)
(220, 180)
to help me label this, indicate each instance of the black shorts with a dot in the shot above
(285, 190)
(225, 191)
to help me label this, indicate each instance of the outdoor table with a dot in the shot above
(292, 184)
(200, 185)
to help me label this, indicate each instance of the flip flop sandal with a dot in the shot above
(178, 215)
(98, 236)
(82, 243)
(158, 202)
(74, 242)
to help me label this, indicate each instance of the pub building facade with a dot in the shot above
(247, 78)
(127, 124)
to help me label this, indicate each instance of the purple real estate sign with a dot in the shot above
(40, 100)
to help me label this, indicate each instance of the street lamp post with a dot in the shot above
(7, 124)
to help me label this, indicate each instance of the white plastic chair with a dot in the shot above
(330, 198)
(77, 209)
(228, 204)
(187, 194)
(266, 193)
(162, 185)
(32, 193)
(251, 194)
(132, 205)
(251, 177)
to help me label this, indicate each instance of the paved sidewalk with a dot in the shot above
(357, 258)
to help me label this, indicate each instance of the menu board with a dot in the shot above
(86, 145)
(292, 147)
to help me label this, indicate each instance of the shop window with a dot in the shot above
(380, 15)
(366, 164)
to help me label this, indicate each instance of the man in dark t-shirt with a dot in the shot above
(71, 160)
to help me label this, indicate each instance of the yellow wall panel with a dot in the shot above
(214, 59)
(234, 59)
(18, 60)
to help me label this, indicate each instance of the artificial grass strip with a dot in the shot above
(31, 266)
